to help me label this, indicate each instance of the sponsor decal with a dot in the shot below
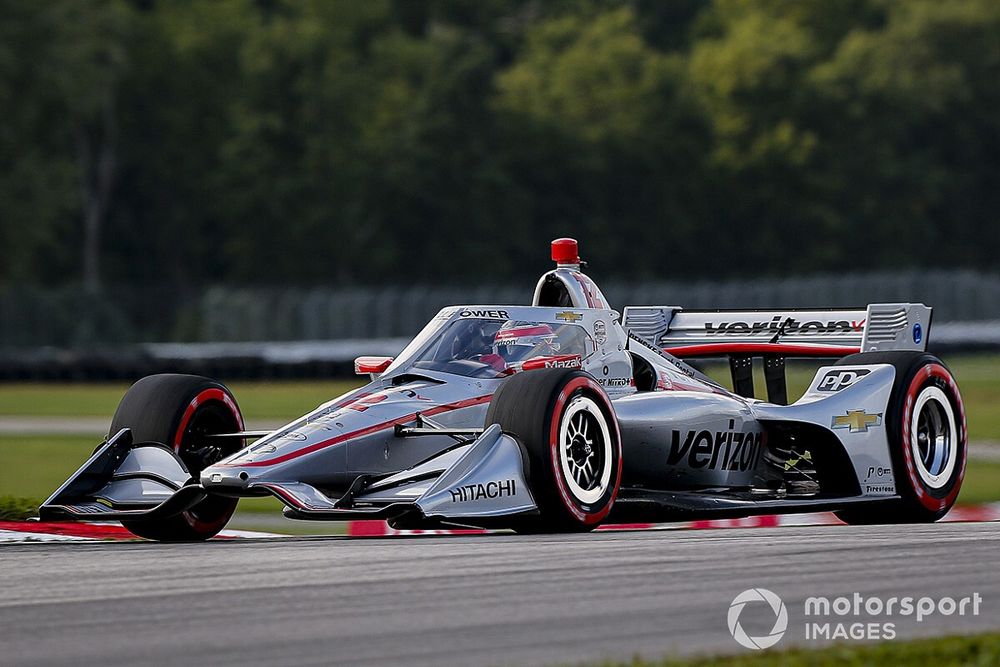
(855, 616)
(918, 333)
(645, 343)
(569, 316)
(878, 471)
(880, 488)
(870, 614)
(674, 361)
(784, 326)
(563, 361)
(614, 382)
(489, 490)
(841, 379)
(858, 421)
(485, 314)
(600, 332)
(723, 450)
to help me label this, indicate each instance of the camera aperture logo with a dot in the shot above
(780, 618)
(855, 617)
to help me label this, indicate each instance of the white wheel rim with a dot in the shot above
(933, 437)
(583, 435)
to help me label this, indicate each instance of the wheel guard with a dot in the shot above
(125, 481)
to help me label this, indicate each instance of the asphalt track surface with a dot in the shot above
(465, 600)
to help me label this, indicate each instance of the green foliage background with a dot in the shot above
(335, 141)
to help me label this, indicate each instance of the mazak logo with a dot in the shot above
(573, 362)
(723, 450)
(785, 326)
(780, 618)
(840, 379)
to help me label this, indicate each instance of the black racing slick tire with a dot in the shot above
(928, 440)
(178, 411)
(567, 426)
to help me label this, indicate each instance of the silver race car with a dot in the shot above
(559, 416)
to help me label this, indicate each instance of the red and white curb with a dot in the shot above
(27, 531)
(39, 531)
(964, 513)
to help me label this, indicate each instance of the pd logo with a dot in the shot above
(841, 379)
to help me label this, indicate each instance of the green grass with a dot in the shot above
(34, 466)
(258, 400)
(971, 651)
(979, 381)
(981, 484)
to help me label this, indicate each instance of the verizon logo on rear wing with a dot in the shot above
(792, 332)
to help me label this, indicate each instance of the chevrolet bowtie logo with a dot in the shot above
(568, 316)
(857, 420)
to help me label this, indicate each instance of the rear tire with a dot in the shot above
(177, 411)
(928, 441)
(568, 429)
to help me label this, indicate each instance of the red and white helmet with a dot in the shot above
(516, 341)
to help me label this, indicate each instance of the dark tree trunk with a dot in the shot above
(96, 149)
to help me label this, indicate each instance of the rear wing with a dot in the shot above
(777, 334)
(790, 333)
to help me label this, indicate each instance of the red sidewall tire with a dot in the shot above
(918, 501)
(935, 501)
(212, 514)
(531, 407)
(585, 513)
(175, 410)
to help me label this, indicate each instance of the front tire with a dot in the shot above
(928, 440)
(569, 431)
(178, 411)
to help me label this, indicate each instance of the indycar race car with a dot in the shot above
(559, 416)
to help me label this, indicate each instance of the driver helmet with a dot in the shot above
(516, 341)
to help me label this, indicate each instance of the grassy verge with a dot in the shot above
(978, 650)
(258, 400)
(13, 508)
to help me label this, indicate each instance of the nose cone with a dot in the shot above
(349, 436)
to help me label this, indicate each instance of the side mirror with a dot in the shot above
(371, 365)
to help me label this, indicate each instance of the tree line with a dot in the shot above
(340, 142)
